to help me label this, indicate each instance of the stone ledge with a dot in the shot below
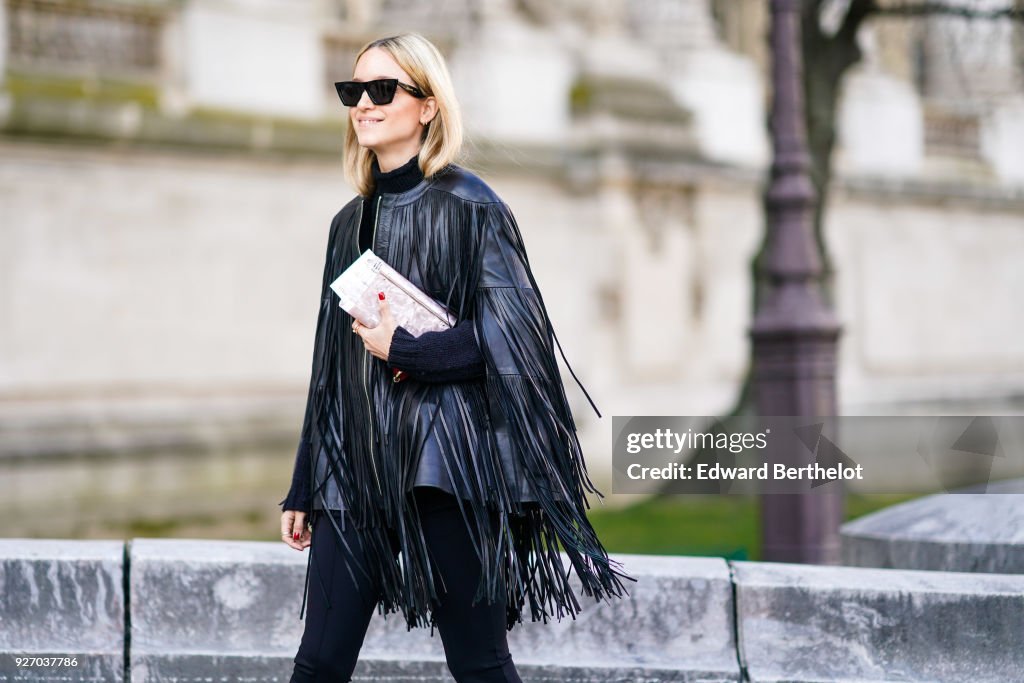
(967, 532)
(808, 623)
(212, 598)
(203, 610)
(184, 669)
(62, 598)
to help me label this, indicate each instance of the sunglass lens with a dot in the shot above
(382, 91)
(349, 92)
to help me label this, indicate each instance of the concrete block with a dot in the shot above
(676, 625)
(204, 607)
(967, 532)
(804, 623)
(231, 608)
(64, 600)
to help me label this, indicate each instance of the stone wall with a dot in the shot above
(163, 610)
(166, 186)
(174, 318)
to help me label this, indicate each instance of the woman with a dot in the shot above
(456, 449)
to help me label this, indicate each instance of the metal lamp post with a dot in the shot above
(794, 333)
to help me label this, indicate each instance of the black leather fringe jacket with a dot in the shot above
(508, 440)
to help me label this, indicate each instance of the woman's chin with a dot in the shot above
(368, 140)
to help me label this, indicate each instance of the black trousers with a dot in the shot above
(474, 636)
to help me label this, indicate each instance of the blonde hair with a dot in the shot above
(442, 137)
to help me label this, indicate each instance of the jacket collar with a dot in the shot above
(402, 198)
(411, 195)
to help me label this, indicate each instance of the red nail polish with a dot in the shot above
(296, 536)
(380, 295)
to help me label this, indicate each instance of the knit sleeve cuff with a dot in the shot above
(403, 353)
(450, 355)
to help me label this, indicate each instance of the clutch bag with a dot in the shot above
(414, 310)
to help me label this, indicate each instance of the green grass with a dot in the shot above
(715, 526)
(710, 526)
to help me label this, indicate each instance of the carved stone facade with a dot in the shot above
(169, 260)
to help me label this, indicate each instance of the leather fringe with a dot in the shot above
(508, 442)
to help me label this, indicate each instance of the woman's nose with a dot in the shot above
(364, 101)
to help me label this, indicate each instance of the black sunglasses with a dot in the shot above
(381, 91)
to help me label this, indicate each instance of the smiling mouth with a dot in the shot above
(368, 122)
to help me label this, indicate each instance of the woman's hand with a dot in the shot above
(294, 531)
(377, 340)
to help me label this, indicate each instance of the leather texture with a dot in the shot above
(505, 442)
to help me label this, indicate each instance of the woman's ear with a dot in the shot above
(429, 110)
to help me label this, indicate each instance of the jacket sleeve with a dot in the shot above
(528, 404)
(298, 497)
(299, 494)
(529, 413)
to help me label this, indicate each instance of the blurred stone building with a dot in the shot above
(169, 170)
